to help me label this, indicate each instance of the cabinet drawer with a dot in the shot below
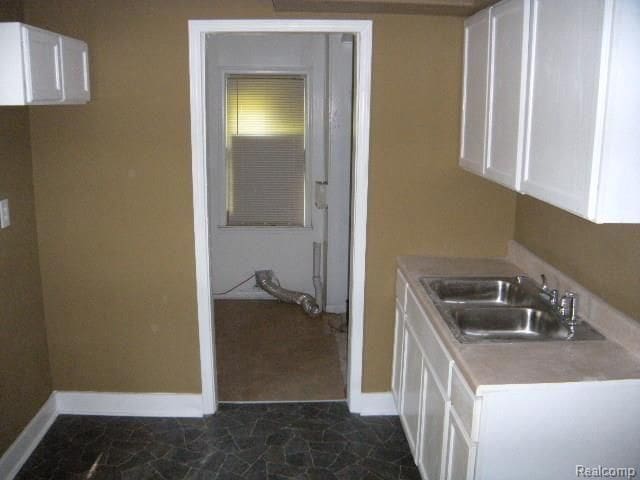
(401, 290)
(437, 357)
(462, 399)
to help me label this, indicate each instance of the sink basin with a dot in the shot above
(500, 291)
(500, 309)
(508, 323)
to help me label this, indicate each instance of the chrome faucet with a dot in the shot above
(568, 308)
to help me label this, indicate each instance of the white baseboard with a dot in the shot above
(130, 404)
(135, 405)
(94, 403)
(18, 453)
(379, 403)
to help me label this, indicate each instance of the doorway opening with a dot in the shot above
(264, 173)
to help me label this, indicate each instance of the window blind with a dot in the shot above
(265, 150)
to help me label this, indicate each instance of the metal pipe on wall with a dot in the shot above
(317, 279)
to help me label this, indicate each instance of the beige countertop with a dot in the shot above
(523, 363)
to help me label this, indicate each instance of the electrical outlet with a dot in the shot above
(5, 218)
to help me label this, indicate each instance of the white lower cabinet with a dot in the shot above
(422, 388)
(411, 390)
(460, 451)
(432, 426)
(503, 432)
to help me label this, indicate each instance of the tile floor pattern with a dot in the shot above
(250, 441)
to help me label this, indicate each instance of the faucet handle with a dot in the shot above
(568, 307)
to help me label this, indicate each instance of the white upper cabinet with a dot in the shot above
(509, 23)
(494, 85)
(75, 70)
(562, 103)
(474, 97)
(41, 56)
(566, 54)
(41, 67)
(583, 137)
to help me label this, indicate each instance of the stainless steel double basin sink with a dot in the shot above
(500, 309)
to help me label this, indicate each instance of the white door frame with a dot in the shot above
(362, 30)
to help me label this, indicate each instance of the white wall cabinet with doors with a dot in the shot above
(495, 45)
(499, 432)
(41, 67)
(474, 101)
(560, 88)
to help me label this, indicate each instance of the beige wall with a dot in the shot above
(25, 381)
(113, 188)
(420, 201)
(604, 258)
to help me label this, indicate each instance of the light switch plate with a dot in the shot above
(5, 217)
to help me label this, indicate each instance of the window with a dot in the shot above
(265, 150)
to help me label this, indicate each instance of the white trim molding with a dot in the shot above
(20, 450)
(94, 403)
(362, 30)
(378, 403)
(204, 293)
(130, 404)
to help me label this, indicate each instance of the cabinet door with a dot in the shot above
(433, 427)
(41, 52)
(75, 70)
(396, 377)
(566, 41)
(411, 386)
(474, 94)
(460, 453)
(507, 86)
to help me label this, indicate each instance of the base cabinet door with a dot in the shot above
(411, 390)
(460, 461)
(433, 427)
(396, 379)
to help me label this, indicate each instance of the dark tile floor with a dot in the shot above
(250, 441)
